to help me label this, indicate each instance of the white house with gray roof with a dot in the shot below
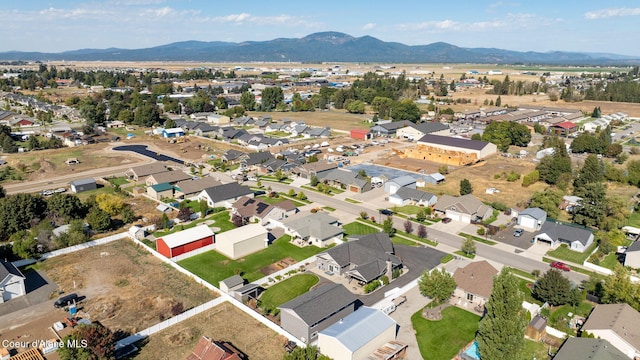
(416, 131)
(317, 229)
(555, 234)
(394, 184)
(224, 195)
(466, 208)
(618, 324)
(308, 314)
(406, 196)
(579, 348)
(632, 255)
(11, 282)
(346, 180)
(357, 335)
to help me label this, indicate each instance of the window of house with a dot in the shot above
(469, 296)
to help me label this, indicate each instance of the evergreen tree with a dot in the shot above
(501, 331)
(592, 211)
(553, 288)
(592, 171)
(465, 187)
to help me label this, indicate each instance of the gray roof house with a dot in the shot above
(316, 310)
(390, 128)
(618, 324)
(11, 282)
(394, 184)
(233, 156)
(318, 169)
(435, 178)
(347, 180)
(170, 177)
(357, 335)
(363, 258)
(531, 219)
(81, 185)
(139, 172)
(317, 132)
(254, 159)
(416, 131)
(466, 208)
(224, 195)
(317, 229)
(579, 348)
(632, 255)
(191, 188)
(553, 233)
(405, 196)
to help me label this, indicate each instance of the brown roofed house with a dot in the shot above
(208, 349)
(170, 177)
(474, 282)
(618, 324)
(138, 172)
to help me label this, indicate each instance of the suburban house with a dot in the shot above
(189, 189)
(394, 184)
(160, 191)
(317, 169)
(316, 132)
(474, 283)
(618, 324)
(569, 202)
(170, 177)
(531, 219)
(218, 119)
(553, 233)
(632, 255)
(466, 208)
(580, 348)
(363, 258)
(11, 282)
(224, 195)
(208, 349)
(357, 335)
(388, 128)
(232, 156)
(242, 241)
(346, 180)
(172, 133)
(142, 171)
(252, 160)
(406, 196)
(416, 131)
(317, 229)
(78, 186)
(253, 209)
(564, 128)
(308, 314)
(182, 242)
(450, 150)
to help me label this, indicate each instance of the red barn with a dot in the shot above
(360, 134)
(184, 241)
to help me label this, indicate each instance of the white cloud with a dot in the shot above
(369, 26)
(245, 18)
(437, 26)
(612, 12)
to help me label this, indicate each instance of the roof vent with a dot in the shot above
(341, 321)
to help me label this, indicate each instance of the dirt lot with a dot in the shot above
(225, 323)
(126, 288)
(481, 176)
(335, 119)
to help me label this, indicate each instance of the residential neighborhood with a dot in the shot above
(317, 211)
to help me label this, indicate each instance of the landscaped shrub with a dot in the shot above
(499, 206)
(371, 286)
(480, 231)
(513, 176)
(396, 273)
(445, 259)
(531, 178)
(384, 279)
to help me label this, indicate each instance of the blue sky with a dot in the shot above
(541, 25)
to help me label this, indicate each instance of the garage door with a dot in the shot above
(12, 291)
(354, 189)
(453, 215)
(393, 188)
(527, 222)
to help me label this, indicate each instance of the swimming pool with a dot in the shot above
(472, 351)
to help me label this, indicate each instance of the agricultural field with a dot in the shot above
(126, 287)
(335, 119)
(223, 322)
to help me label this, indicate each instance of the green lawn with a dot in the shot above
(443, 339)
(402, 241)
(286, 290)
(118, 180)
(358, 228)
(564, 253)
(213, 266)
(634, 219)
(221, 221)
(279, 199)
(609, 261)
(559, 318)
(408, 209)
(523, 273)
(462, 253)
(525, 286)
(478, 239)
(349, 200)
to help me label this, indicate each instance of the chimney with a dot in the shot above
(389, 269)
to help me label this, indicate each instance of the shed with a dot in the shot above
(136, 232)
(357, 335)
(231, 283)
(360, 134)
(160, 191)
(537, 328)
(242, 241)
(173, 132)
(78, 186)
(531, 219)
(182, 242)
(394, 184)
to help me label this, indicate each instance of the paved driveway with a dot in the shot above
(415, 302)
(38, 287)
(506, 236)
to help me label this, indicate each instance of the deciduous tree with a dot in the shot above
(437, 284)
(468, 246)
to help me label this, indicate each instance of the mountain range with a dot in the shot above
(326, 47)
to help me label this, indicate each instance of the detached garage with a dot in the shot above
(242, 241)
(184, 241)
(78, 186)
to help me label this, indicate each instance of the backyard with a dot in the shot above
(444, 338)
(220, 221)
(286, 290)
(213, 266)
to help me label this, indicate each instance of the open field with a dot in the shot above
(335, 119)
(126, 287)
(224, 323)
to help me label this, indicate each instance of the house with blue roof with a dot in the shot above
(173, 132)
(357, 335)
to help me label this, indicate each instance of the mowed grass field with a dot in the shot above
(287, 290)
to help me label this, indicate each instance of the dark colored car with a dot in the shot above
(66, 300)
(446, 220)
(386, 212)
(560, 266)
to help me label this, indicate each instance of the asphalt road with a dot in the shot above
(143, 150)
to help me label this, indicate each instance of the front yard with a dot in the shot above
(213, 266)
(564, 253)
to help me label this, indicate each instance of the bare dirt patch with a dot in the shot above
(277, 266)
(225, 323)
(126, 288)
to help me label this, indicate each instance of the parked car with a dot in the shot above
(446, 220)
(252, 178)
(518, 232)
(66, 300)
(386, 212)
(560, 266)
